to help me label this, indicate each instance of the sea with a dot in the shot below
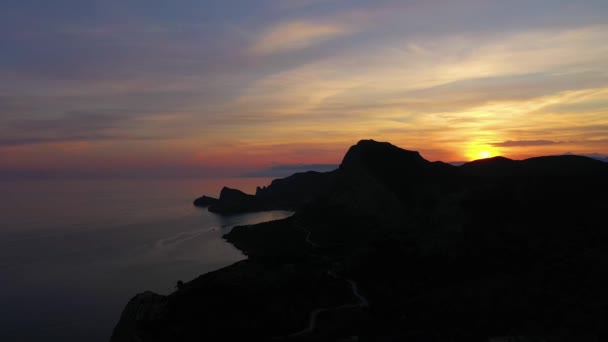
(73, 252)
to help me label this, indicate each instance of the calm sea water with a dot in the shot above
(72, 253)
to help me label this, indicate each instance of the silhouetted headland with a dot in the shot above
(392, 247)
(205, 201)
(290, 193)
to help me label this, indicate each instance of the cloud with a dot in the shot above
(513, 143)
(382, 74)
(21, 141)
(296, 35)
(299, 4)
(109, 125)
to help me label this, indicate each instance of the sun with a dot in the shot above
(480, 150)
(483, 154)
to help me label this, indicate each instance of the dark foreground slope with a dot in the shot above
(398, 248)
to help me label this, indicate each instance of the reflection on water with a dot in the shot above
(73, 253)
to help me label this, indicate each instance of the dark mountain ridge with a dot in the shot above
(392, 247)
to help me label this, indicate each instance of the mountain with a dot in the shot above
(392, 247)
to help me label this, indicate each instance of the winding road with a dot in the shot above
(312, 321)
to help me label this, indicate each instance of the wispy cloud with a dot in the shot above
(299, 4)
(82, 126)
(385, 72)
(513, 143)
(296, 35)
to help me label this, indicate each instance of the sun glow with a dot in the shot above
(481, 151)
(483, 154)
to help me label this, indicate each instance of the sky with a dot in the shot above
(230, 87)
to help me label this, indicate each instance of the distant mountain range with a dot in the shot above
(392, 247)
(598, 156)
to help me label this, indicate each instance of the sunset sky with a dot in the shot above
(216, 88)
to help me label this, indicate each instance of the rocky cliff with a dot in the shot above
(290, 193)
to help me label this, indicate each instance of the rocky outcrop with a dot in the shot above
(296, 189)
(234, 201)
(290, 193)
(141, 318)
(205, 201)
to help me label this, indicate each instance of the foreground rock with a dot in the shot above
(486, 251)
